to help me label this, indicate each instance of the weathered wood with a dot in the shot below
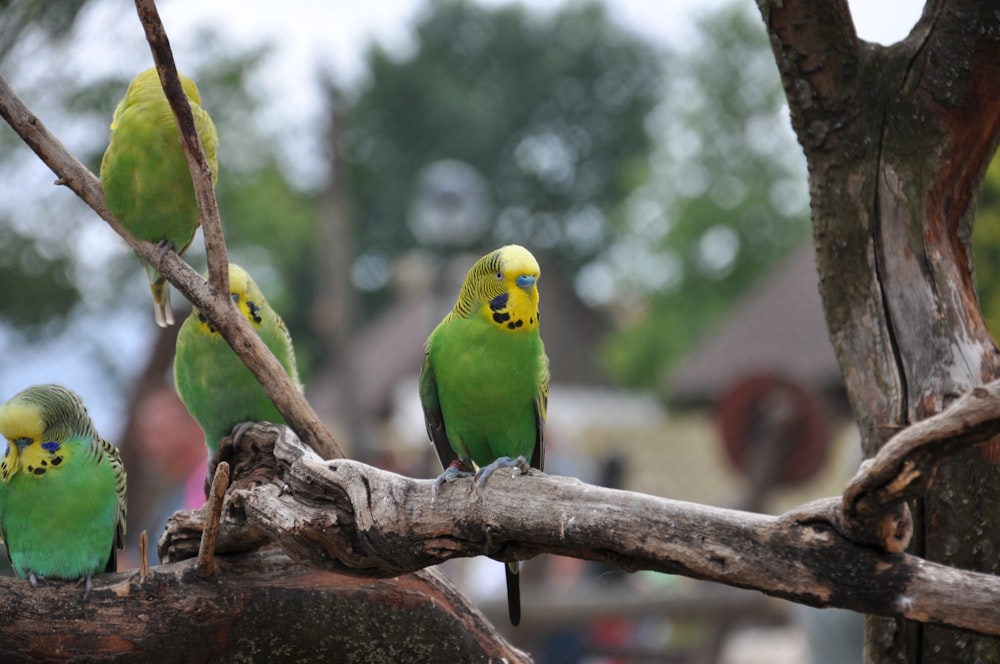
(347, 517)
(905, 467)
(213, 514)
(258, 606)
(897, 140)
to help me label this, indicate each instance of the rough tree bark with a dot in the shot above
(897, 140)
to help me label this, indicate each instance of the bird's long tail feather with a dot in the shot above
(161, 301)
(513, 592)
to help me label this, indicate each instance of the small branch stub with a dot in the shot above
(213, 513)
(143, 556)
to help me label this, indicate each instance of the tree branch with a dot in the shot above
(905, 466)
(348, 517)
(172, 615)
(219, 309)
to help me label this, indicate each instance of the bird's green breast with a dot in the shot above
(61, 524)
(215, 385)
(487, 384)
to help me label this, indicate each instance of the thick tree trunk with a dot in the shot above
(897, 140)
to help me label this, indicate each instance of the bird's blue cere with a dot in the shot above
(525, 281)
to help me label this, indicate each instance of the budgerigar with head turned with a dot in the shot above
(62, 488)
(214, 384)
(145, 174)
(485, 381)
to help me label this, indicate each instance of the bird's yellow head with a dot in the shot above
(38, 422)
(245, 294)
(502, 287)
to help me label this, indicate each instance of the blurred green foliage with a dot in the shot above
(539, 120)
(53, 19)
(728, 199)
(986, 248)
(270, 224)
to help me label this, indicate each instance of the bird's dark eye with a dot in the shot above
(499, 276)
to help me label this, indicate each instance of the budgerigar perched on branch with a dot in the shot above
(145, 174)
(217, 388)
(62, 488)
(485, 380)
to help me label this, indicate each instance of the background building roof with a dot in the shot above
(779, 327)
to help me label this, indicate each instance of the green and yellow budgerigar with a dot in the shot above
(215, 386)
(485, 380)
(145, 173)
(62, 488)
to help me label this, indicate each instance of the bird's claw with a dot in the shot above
(88, 584)
(451, 473)
(241, 429)
(165, 247)
(33, 579)
(519, 462)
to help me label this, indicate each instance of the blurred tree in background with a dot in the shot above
(664, 195)
(727, 199)
(502, 126)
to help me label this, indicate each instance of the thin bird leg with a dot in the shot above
(88, 584)
(33, 579)
(241, 429)
(450, 474)
(520, 463)
(165, 246)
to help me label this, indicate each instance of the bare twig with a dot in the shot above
(233, 327)
(213, 512)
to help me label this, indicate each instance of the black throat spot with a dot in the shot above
(254, 312)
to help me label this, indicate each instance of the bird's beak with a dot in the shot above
(22, 443)
(526, 281)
